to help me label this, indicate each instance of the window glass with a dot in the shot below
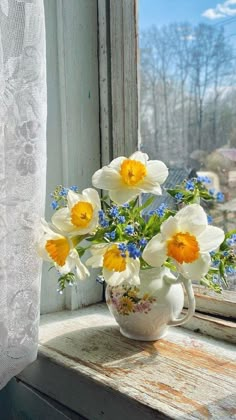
(188, 96)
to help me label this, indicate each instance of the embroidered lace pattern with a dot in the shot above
(22, 178)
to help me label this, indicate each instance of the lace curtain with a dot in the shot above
(22, 178)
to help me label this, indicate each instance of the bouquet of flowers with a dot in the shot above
(124, 238)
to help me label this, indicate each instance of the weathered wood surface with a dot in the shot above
(104, 83)
(118, 78)
(223, 304)
(131, 114)
(215, 327)
(183, 376)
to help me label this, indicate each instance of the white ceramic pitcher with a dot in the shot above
(146, 311)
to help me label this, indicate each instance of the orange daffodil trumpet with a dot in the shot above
(125, 178)
(187, 240)
(80, 217)
(117, 265)
(60, 250)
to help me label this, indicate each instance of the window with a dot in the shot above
(187, 105)
(93, 109)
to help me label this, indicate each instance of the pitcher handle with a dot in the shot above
(191, 304)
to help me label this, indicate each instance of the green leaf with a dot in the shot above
(222, 273)
(207, 282)
(169, 265)
(133, 203)
(65, 280)
(152, 224)
(174, 191)
(206, 195)
(81, 250)
(105, 205)
(146, 204)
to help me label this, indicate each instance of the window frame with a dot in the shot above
(118, 78)
(118, 108)
(73, 127)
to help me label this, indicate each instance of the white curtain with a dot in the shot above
(22, 178)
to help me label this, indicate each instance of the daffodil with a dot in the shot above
(60, 250)
(187, 240)
(118, 265)
(81, 215)
(125, 178)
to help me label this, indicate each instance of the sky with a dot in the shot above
(162, 12)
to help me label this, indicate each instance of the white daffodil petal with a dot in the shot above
(65, 269)
(73, 198)
(116, 163)
(92, 196)
(106, 178)
(169, 228)
(74, 261)
(42, 251)
(147, 187)
(140, 156)
(114, 278)
(81, 271)
(95, 261)
(192, 218)
(155, 252)
(61, 219)
(210, 239)
(99, 249)
(89, 229)
(121, 196)
(46, 228)
(157, 171)
(132, 271)
(197, 269)
(156, 190)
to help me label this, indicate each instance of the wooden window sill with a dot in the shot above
(86, 365)
(221, 329)
(222, 304)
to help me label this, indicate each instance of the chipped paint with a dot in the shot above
(185, 375)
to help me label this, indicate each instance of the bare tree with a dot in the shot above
(185, 74)
(156, 61)
(211, 60)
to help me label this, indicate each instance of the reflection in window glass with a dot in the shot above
(188, 94)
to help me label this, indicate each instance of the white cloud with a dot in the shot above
(229, 2)
(212, 14)
(221, 10)
(189, 37)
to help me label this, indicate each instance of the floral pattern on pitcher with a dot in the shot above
(126, 300)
